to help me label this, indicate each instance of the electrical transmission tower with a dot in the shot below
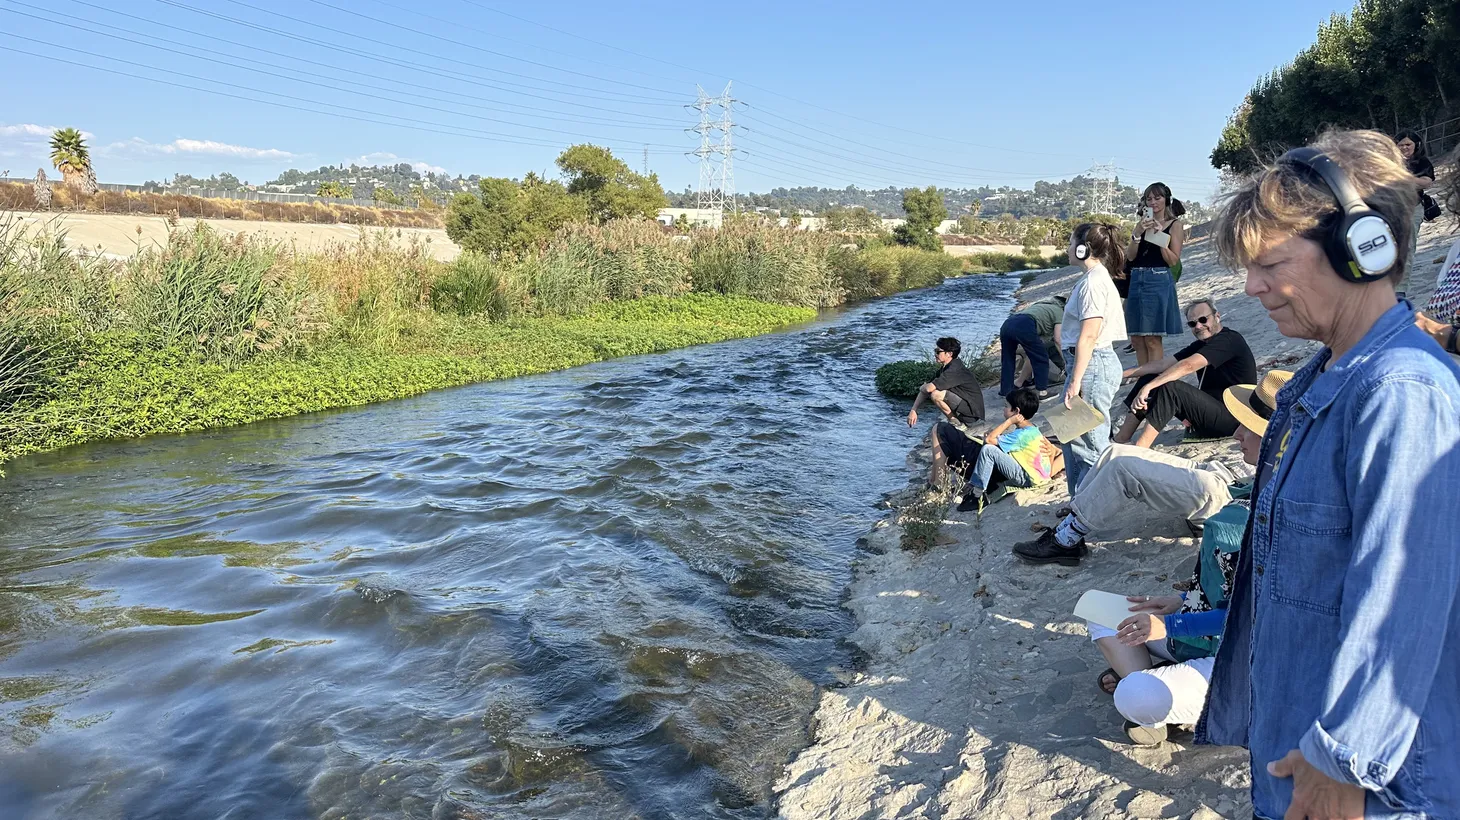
(717, 157)
(1102, 200)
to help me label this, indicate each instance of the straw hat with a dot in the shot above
(1252, 405)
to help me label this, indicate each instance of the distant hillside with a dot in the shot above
(1054, 200)
(399, 179)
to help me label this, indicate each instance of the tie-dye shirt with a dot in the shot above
(1027, 447)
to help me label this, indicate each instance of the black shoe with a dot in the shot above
(1047, 550)
(1145, 735)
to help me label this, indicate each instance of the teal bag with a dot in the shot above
(1222, 534)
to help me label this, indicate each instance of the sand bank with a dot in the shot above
(978, 698)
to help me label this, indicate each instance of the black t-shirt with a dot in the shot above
(1421, 167)
(956, 378)
(1229, 362)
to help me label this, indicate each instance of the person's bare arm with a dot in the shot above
(1084, 349)
(923, 393)
(1149, 367)
(1181, 369)
(993, 435)
(1439, 331)
(1172, 252)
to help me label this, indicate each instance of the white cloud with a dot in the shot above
(138, 146)
(387, 158)
(30, 132)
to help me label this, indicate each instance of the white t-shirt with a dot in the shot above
(1094, 295)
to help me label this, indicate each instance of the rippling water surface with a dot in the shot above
(604, 592)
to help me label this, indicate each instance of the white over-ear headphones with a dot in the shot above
(1082, 251)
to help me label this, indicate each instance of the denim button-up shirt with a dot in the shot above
(1343, 630)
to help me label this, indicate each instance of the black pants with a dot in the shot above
(1178, 400)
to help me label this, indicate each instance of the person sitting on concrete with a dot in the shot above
(1219, 357)
(1011, 456)
(1034, 327)
(954, 390)
(1183, 631)
(1164, 483)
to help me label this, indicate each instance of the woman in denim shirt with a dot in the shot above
(1341, 655)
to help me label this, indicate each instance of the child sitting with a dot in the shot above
(1012, 455)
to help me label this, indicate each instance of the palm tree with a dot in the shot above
(69, 155)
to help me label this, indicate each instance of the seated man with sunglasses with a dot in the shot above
(1219, 357)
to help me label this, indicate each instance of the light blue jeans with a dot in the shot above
(1102, 380)
(991, 458)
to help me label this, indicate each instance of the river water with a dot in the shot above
(610, 591)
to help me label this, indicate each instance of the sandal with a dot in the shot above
(1109, 673)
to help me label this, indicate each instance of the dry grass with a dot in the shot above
(16, 196)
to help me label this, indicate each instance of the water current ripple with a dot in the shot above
(604, 592)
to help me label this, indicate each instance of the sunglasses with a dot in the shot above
(1200, 320)
(938, 350)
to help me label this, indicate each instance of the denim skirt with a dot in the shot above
(1151, 308)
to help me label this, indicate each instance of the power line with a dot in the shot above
(327, 66)
(458, 132)
(503, 55)
(485, 7)
(218, 61)
(395, 47)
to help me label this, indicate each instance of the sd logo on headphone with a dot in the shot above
(1359, 242)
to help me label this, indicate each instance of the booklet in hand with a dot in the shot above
(1159, 238)
(1104, 608)
(1070, 424)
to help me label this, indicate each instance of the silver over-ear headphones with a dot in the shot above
(1358, 241)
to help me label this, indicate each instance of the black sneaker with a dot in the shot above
(1047, 550)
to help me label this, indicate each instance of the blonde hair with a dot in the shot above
(1285, 200)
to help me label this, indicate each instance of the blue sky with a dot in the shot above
(955, 94)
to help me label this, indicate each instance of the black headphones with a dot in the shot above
(1082, 251)
(1358, 240)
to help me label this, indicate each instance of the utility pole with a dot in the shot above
(717, 170)
(646, 160)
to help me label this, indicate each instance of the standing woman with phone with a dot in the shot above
(1151, 309)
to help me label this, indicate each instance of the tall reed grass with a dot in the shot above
(16, 196)
(111, 337)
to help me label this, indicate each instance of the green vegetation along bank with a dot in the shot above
(212, 330)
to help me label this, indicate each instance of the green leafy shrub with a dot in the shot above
(120, 387)
(902, 380)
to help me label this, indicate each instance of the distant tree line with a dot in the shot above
(1052, 200)
(1389, 64)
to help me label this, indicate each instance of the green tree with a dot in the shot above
(851, 220)
(337, 190)
(70, 155)
(385, 196)
(607, 186)
(681, 223)
(925, 211)
(1387, 65)
(507, 217)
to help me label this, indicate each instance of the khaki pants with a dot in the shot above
(1164, 483)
